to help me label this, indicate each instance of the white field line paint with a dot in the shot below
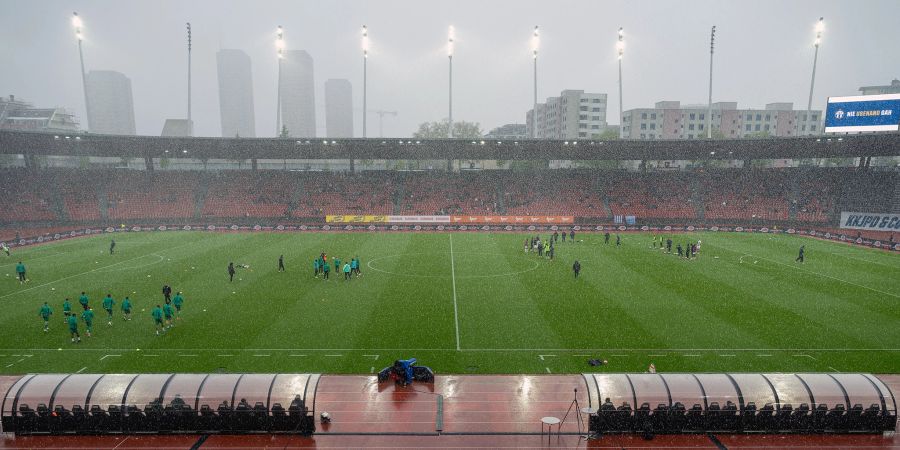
(373, 356)
(11, 364)
(581, 355)
(372, 369)
(335, 356)
(227, 355)
(91, 271)
(619, 356)
(262, 355)
(657, 355)
(819, 350)
(740, 260)
(81, 369)
(188, 356)
(548, 356)
(806, 356)
(727, 355)
(548, 370)
(108, 356)
(453, 278)
(150, 355)
(763, 356)
(691, 355)
(288, 355)
(832, 368)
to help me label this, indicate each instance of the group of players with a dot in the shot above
(547, 249)
(323, 267)
(690, 250)
(164, 316)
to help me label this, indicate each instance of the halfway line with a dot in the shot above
(453, 278)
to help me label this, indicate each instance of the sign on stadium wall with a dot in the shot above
(870, 221)
(513, 219)
(863, 113)
(356, 219)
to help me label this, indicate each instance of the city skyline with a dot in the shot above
(764, 53)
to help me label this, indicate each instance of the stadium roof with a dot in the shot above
(33, 143)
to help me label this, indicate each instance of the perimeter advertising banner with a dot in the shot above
(870, 221)
(513, 219)
(863, 113)
(356, 219)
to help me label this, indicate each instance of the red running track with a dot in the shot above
(365, 413)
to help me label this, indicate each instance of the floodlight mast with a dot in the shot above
(450, 81)
(365, 49)
(712, 47)
(279, 48)
(77, 24)
(535, 44)
(820, 27)
(620, 48)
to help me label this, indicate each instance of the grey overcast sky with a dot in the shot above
(764, 53)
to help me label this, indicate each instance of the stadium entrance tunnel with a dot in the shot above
(161, 403)
(746, 402)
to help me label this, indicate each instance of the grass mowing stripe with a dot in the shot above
(453, 277)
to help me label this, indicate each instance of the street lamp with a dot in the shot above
(712, 47)
(820, 27)
(279, 48)
(535, 44)
(77, 25)
(450, 59)
(620, 48)
(365, 49)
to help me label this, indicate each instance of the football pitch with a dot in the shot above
(459, 302)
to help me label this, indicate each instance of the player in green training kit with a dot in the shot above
(178, 300)
(45, 314)
(73, 328)
(108, 304)
(158, 318)
(67, 309)
(83, 300)
(168, 311)
(88, 316)
(20, 272)
(126, 308)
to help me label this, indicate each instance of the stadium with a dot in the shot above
(264, 272)
(444, 277)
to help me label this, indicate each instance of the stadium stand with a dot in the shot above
(732, 196)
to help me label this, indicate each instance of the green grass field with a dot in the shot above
(460, 303)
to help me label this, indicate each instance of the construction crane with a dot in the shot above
(381, 113)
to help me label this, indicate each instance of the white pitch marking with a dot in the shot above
(581, 355)
(373, 356)
(728, 355)
(548, 356)
(188, 356)
(107, 356)
(763, 356)
(335, 356)
(89, 271)
(657, 355)
(619, 356)
(372, 369)
(291, 355)
(149, 355)
(262, 355)
(453, 278)
(687, 355)
(548, 370)
(81, 369)
(807, 356)
(832, 368)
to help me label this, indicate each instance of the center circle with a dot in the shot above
(465, 265)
